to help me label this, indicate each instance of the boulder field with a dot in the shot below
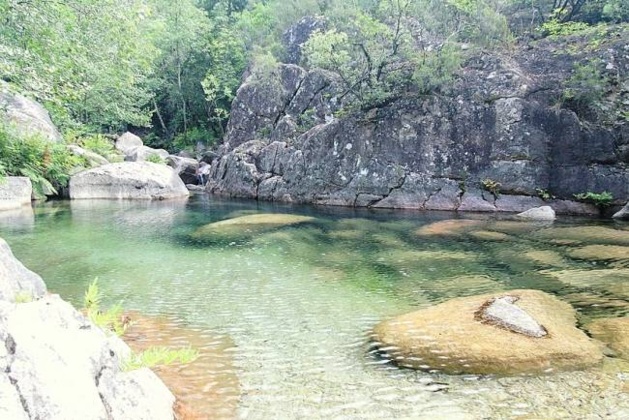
(56, 365)
(514, 332)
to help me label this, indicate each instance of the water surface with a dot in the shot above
(282, 317)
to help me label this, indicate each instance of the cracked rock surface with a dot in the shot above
(55, 364)
(287, 141)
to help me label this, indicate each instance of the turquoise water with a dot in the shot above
(298, 302)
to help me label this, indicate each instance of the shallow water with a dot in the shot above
(282, 316)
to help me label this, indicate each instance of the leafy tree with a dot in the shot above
(88, 60)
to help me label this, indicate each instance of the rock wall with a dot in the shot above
(286, 141)
(55, 364)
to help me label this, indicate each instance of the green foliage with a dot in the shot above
(585, 89)
(97, 143)
(159, 356)
(108, 320)
(491, 186)
(88, 60)
(603, 199)
(48, 165)
(190, 139)
(544, 194)
(155, 158)
(23, 297)
(555, 27)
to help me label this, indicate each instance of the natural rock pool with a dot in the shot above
(282, 315)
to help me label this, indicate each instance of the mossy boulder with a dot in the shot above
(246, 227)
(515, 332)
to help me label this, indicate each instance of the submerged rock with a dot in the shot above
(247, 226)
(449, 227)
(521, 331)
(538, 213)
(601, 253)
(612, 331)
(128, 180)
(597, 234)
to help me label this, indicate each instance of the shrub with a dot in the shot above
(98, 144)
(599, 199)
(48, 165)
(110, 320)
(491, 186)
(155, 158)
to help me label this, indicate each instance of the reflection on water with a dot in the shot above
(283, 314)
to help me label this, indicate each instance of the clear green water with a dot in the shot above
(298, 302)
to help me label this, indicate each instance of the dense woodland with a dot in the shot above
(170, 70)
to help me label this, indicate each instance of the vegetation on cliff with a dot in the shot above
(172, 69)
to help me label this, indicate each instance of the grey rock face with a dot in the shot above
(128, 180)
(128, 141)
(622, 213)
(26, 115)
(185, 167)
(538, 213)
(294, 38)
(286, 142)
(504, 313)
(15, 279)
(55, 364)
(15, 192)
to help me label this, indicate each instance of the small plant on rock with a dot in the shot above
(491, 186)
(155, 158)
(603, 199)
(159, 356)
(110, 320)
(544, 194)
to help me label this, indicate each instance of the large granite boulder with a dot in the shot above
(15, 192)
(49, 343)
(128, 141)
(519, 331)
(144, 153)
(27, 116)
(538, 213)
(17, 280)
(128, 180)
(55, 364)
